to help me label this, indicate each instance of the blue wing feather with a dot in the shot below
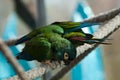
(82, 25)
(21, 40)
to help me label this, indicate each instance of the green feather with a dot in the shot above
(48, 46)
(74, 34)
(39, 48)
(49, 28)
(67, 24)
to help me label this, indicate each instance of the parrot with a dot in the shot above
(79, 38)
(61, 28)
(55, 42)
(74, 33)
(48, 47)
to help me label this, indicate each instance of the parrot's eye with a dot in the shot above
(66, 56)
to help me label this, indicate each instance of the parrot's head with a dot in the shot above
(67, 54)
(67, 24)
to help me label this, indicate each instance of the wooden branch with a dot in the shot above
(104, 32)
(103, 17)
(12, 60)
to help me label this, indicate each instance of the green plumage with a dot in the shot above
(67, 25)
(46, 29)
(39, 48)
(48, 46)
(57, 41)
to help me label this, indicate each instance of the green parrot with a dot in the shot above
(55, 42)
(74, 33)
(61, 28)
(79, 38)
(48, 46)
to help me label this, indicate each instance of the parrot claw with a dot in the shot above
(48, 62)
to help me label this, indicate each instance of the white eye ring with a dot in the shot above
(66, 56)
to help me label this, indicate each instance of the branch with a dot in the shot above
(101, 18)
(8, 54)
(104, 32)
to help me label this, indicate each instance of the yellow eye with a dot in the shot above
(66, 56)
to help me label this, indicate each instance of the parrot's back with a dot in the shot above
(37, 48)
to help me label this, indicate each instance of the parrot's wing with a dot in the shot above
(29, 36)
(37, 48)
(70, 26)
(74, 34)
(78, 34)
(78, 28)
(22, 39)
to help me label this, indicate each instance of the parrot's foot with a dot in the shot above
(57, 63)
(48, 62)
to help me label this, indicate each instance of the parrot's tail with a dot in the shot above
(96, 39)
(89, 41)
(21, 40)
(18, 56)
(80, 26)
(24, 56)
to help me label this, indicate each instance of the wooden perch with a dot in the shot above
(105, 31)
(103, 17)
